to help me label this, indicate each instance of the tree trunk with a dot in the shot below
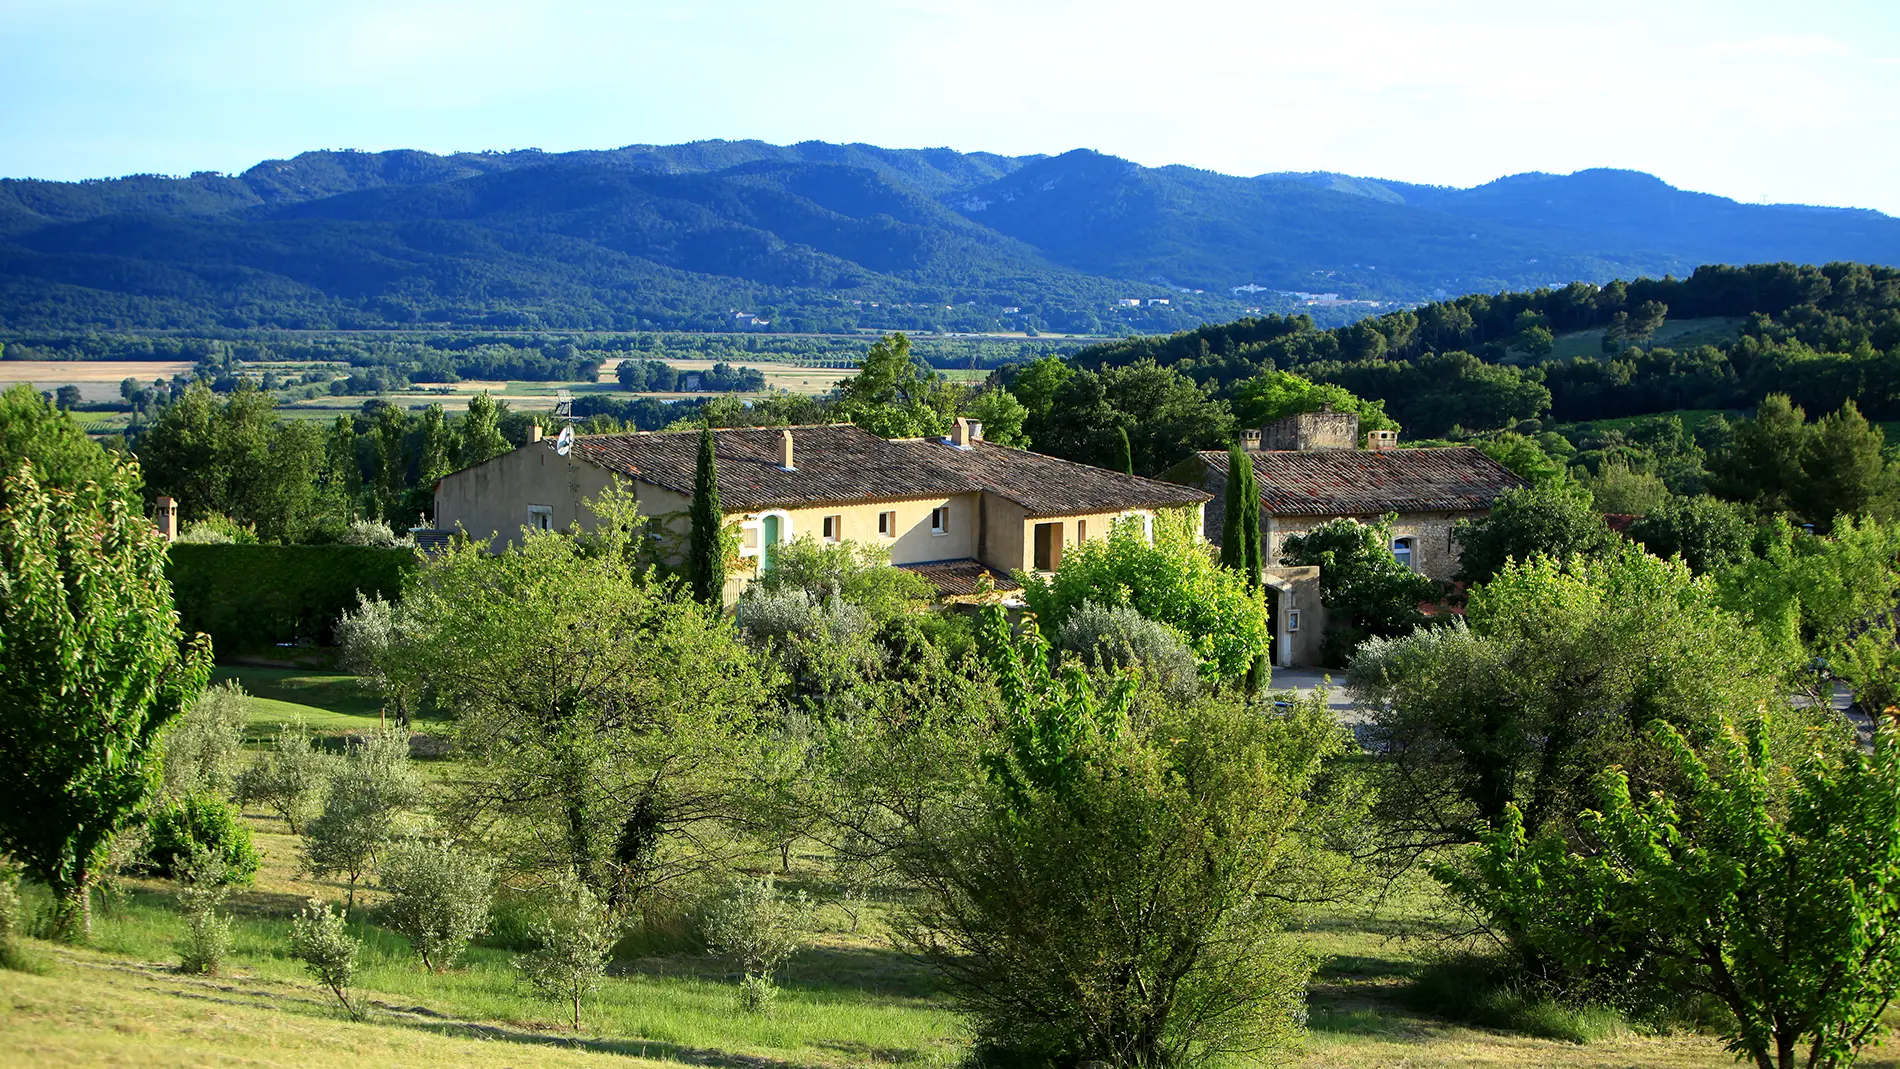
(1784, 1049)
(72, 917)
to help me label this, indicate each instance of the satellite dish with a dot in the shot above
(565, 443)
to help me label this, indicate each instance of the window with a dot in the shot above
(1081, 531)
(541, 517)
(834, 528)
(1147, 523)
(1292, 620)
(1402, 550)
(1048, 547)
(940, 520)
(887, 524)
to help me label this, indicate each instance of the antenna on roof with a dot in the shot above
(565, 443)
(564, 405)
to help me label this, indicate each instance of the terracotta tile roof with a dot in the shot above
(962, 578)
(840, 463)
(1355, 482)
(1050, 486)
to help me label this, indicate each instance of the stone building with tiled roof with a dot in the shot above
(1317, 474)
(1429, 490)
(954, 508)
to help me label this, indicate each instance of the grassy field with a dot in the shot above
(849, 1000)
(1678, 334)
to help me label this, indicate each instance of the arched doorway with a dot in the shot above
(771, 530)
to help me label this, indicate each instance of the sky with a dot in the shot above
(1760, 101)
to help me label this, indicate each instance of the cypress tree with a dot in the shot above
(708, 554)
(1240, 528)
(1127, 451)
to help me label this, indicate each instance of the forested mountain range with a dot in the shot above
(824, 237)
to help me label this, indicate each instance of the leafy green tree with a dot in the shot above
(859, 574)
(1001, 414)
(390, 434)
(1770, 892)
(1525, 456)
(1553, 520)
(67, 398)
(435, 444)
(1124, 453)
(1845, 472)
(1365, 589)
(1172, 580)
(1557, 669)
(363, 807)
(478, 433)
(61, 455)
(1762, 466)
(602, 713)
(1113, 893)
(707, 564)
(438, 898)
(342, 475)
(93, 668)
(1165, 415)
(1240, 547)
(892, 397)
(1276, 395)
(1618, 489)
(290, 777)
(1707, 533)
(1035, 386)
(234, 458)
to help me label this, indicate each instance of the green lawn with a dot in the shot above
(330, 702)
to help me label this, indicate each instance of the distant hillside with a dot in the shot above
(823, 237)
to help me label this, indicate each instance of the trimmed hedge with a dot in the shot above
(248, 598)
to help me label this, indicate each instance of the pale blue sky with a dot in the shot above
(1779, 101)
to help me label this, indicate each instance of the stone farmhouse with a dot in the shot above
(1310, 469)
(956, 509)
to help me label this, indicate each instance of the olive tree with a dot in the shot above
(1117, 887)
(438, 898)
(93, 668)
(601, 710)
(1768, 889)
(363, 807)
(1554, 674)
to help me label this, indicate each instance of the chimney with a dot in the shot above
(1381, 441)
(785, 459)
(1250, 440)
(976, 430)
(165, 515)
(960, 433)
(534, 433)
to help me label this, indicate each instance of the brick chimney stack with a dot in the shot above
(165, 515)
(534, 433)
(785, 458)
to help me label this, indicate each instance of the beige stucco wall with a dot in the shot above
(1434, 551)
(490, 500)
(1296, 589)
(1012, 533)
(913, 544)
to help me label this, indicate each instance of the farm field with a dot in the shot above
(1678, 334)
(98, 380)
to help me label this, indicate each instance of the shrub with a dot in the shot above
(370, 533)
(362, 807)
(438, 898)
(203, 746)
(1365, 589)
(205, 821)
(252, 597)
(1198, 811)
(1117, 637)
(1173, 580)
(203, 886)
(758, 928)
(573, 941)
(1708, 534)
(320, 939)
(290, 777)
(859, 574)
(1555, 519)
(217, 529)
